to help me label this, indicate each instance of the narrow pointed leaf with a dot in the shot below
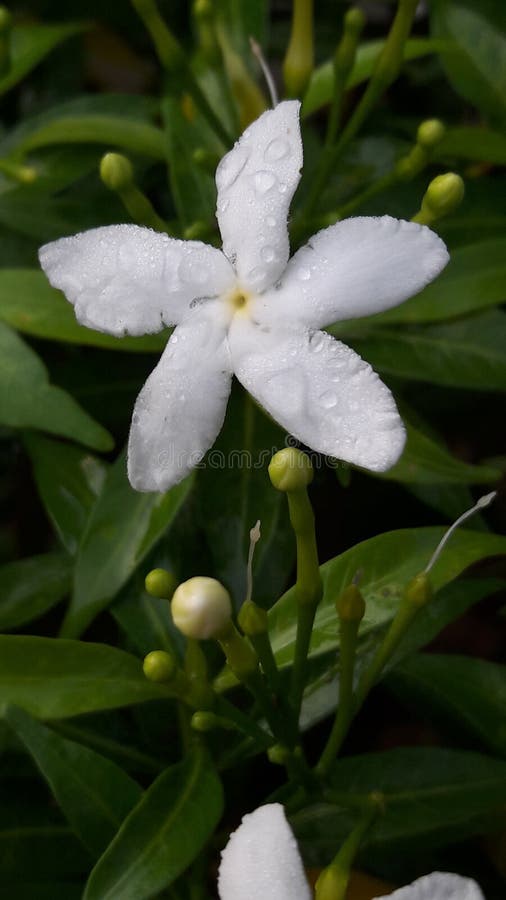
(54, 679)
(68, 480)
(28, 400)
(123, 526)
(457, 691)
(162, 834)
(94, 794)
(31, 586)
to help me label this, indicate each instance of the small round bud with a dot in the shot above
(430, 133)
(444, 194)
(354, 20)
(204, 721)
(203, 9)
(160, 583)
(278, 754)
(116, 171)
(418, 591)
(159, 666)
(350, 604)
(290, 470)
(201, 608)
(252, 619)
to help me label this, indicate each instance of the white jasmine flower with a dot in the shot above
(261, 862)
(249, 311)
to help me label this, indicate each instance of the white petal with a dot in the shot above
(358, 267)
(439, 886)
(123, 279)
(181, 408)
(256, 182)
(321, 391)
(261, 860)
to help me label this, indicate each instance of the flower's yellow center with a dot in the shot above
(238, 299)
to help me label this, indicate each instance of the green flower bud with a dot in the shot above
(278, 754)
(203, 720)
(444, 194)
(252, 619)
(116, 171)
(201, 608)
(299, 58)
(430, 133)
(350, 604)
(160, 583)
(290, 470)
(418, 591)
(329, 885)
(354, 20)
(5, 19)
(159, 666)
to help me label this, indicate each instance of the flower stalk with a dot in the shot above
(299, 58)
(117, 174)
(350, 607)
(333, 882)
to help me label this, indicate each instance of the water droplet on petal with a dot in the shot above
(223, 206)
(277, 149)
(328, 399)
(264, 181)
(303, 274)
(282, 187)
(231, 167)
(271, 221)
(267, 254)
(317, 342)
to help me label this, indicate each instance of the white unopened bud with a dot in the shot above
(201, 608)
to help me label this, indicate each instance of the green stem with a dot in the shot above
(175, 60)
(386, 71)
(347, 655)
(308, 587)
(333, 881)
(243, 723)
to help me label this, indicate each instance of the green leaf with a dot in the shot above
(321, 86)
(193, 190)
(68, 480)
(468, 353)
(475, 58)
(432, 797)
(112, 131)
(29, 304)
(162, 835)
(29, 587)
(473, 280)
(94, 794)
(54, 679)
(387, 562)
(426, 462)
(29, 44)
(123, 526)
(27, 400)
(479, 144)
(235, 491)
(457, 690)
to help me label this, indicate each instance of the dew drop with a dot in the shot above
(328, 400)
(231, 167)
(264, 181)
(277, 149)
(223, 206)
(267, 254)
(282, 187)
(317, 342)
(303, 274)
(271, 221)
